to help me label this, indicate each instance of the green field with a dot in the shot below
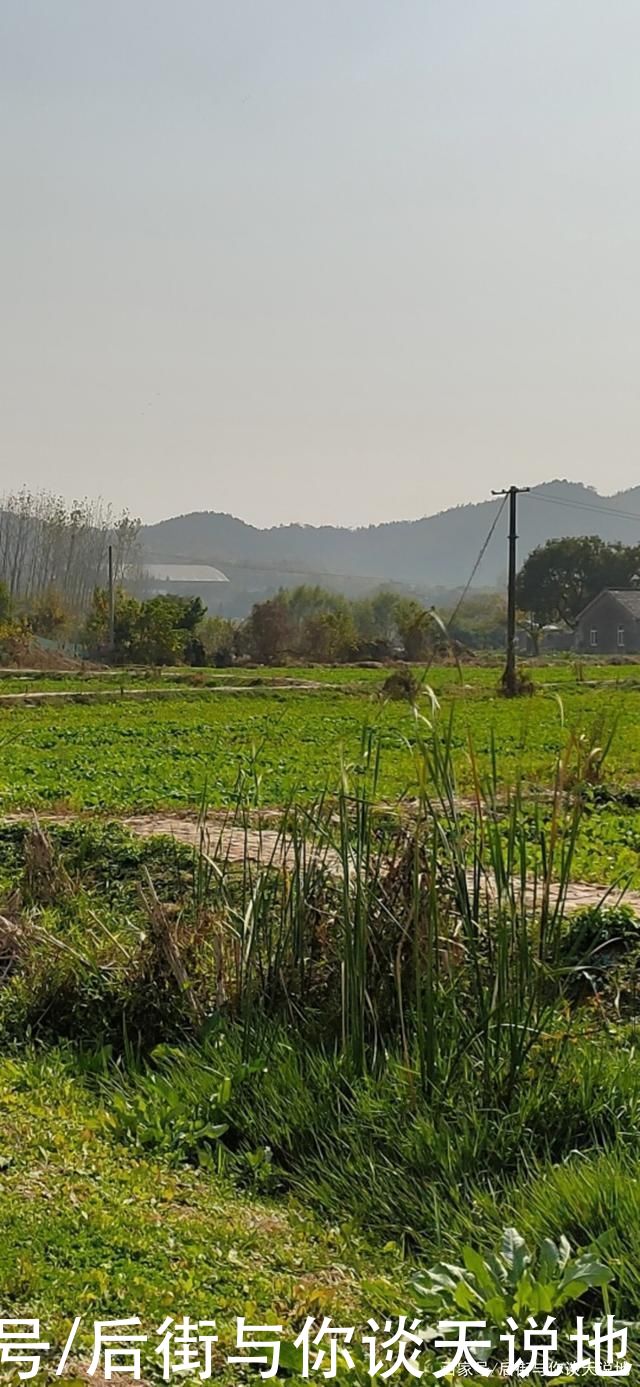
(164, 752)
(232, 1090)
(289, 744)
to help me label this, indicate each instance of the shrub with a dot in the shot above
(401, 684)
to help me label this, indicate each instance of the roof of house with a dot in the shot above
(629, 598)
(184, 573)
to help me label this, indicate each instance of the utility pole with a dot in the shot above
(509, 680)
(112, 603)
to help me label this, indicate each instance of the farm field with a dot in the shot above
(232, 1088)
(290, 744)
(127, 757)
(226, 1160)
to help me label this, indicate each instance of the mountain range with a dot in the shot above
(435, 552)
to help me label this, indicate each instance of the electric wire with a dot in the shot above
(584, 505)
(477, 563)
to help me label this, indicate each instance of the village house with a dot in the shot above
(610, 623)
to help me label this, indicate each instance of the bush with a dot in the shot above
(402, 684)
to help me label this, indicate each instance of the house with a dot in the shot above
(610, 623)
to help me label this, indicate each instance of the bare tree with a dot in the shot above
(47, 544)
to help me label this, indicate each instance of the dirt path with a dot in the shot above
(226, 842)
(32, 698)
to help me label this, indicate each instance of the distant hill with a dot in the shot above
(435, 552)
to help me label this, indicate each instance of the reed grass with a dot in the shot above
(422, 927)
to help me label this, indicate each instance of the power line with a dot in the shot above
(585, 505)
(478, 561)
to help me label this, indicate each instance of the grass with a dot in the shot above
(432, 1173)
(238, 1089)
(90, 1229)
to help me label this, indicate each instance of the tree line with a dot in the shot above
(50, 547)
(555, 583)
(53, 579)
(307, 623)
(310, 623)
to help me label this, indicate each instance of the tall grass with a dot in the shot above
(425, 929)
(429, 930)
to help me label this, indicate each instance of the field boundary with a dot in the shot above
(123, 695)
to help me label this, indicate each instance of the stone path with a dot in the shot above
(225, 841)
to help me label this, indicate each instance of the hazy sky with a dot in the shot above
(322, 260)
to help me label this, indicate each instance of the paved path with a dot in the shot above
(225, 841)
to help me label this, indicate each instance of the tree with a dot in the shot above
(217, 634)
(482, 621)
(156, 632)
(559, 578)
(415, 625)
(95, 635)
(48, 615)
(14, 640)
(158, 639)
(268, 630)
(46, 544)
(167, 629)
(330, 636)
(6, 605)
(189, 611)
(376, 620)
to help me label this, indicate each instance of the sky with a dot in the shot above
(331, 261)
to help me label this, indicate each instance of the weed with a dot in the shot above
(505, 1287)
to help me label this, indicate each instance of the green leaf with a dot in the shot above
(514, 1252)
(580, 1276)
(549, 1260)
(586, 1269)
(497, 1308)
(541, 1298)
(465, 1296)
(214, 1132)
(439, 1281)
(291, 1358)
(478, 1268)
